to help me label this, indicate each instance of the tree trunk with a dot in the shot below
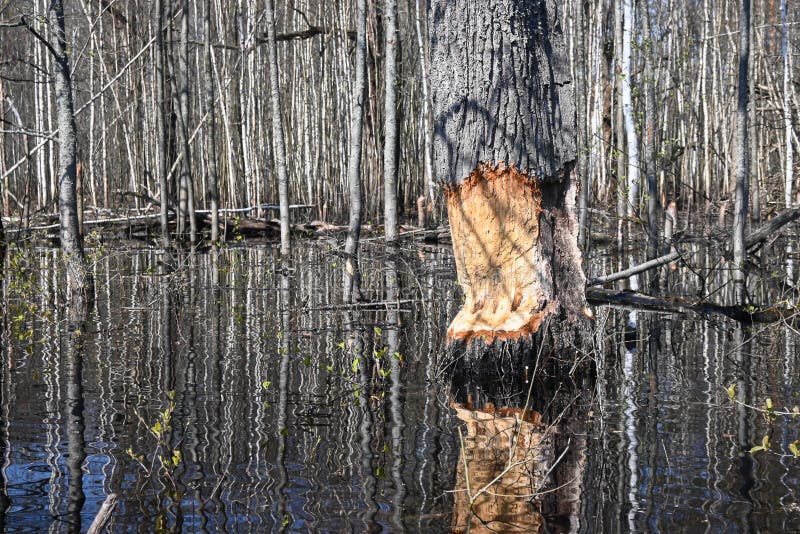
(787, 109)
(505, 149)
(425, 120)
(161, 122)
(742, 156)
(278, 146)
(186, 180)
(71, 240)
(390, 123)
(213, 173)
(632, 140)
(649, 141)
(354, 158)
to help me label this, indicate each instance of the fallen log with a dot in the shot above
(768, 229)
(131, 220)
(742, 314)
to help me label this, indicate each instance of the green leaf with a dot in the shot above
(171, 394)
(769, 404)
(156, 428)
(329, 368)
(340, 345)
(266, 384)
(794, 448)
(307, 361)
(355, 364)
(377, 330)
(756, 449)
(731, 391)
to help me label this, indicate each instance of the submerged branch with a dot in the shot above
(742, 314)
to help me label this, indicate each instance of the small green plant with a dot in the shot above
(770, 415)
(163, 460)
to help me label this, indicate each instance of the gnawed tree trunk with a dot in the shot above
(505, 148)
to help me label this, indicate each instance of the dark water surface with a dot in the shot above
(233, 395)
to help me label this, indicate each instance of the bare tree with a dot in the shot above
(390, 122)
(354, 158)
(186, 179)
(71, 239)
(742, 156)
(787, 108)
(278, 146)
(632, 139)
(211, 104)
(649, 138)
(161, 122)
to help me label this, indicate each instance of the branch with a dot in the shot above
(768, 229)
(103, 515)
(39, 36)
(742, 314)
(627, 273)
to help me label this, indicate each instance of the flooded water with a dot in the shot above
(234, 394)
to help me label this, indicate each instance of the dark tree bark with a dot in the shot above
(71, 240)
(505, 149)
(742, 156)
(186, 179)
(650, 142)
(278, 144)
(161, 122)
(213, 174)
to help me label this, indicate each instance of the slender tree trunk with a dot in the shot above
(649, 139)
(428, 152)
(278, 147)
(505, 149)
(632, 139)
(186, 181)
(354, 158)
(787, 109)
(581, 29)
(619, 125)
(161, 122)
(213, 173)
(71, 240)
(742, 156)
(390, 122)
